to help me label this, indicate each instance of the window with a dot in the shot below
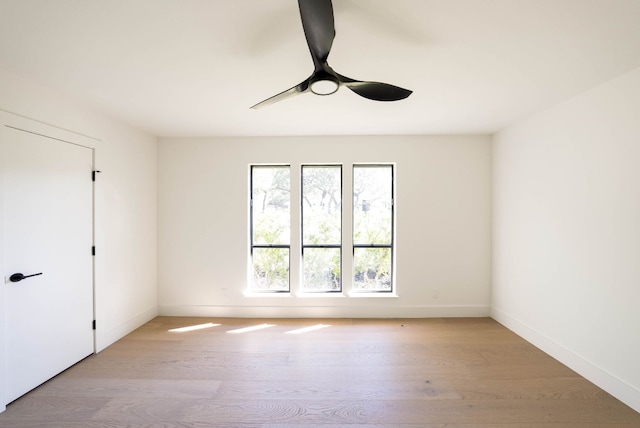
(322, 228)
(306, 209)
(372, 227)
(270, 227)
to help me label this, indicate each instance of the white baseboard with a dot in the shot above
(611, 384)
(323, 311)
(106, 338)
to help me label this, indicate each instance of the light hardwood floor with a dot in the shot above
(465, 373)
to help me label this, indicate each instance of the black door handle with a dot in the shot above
(17, 277)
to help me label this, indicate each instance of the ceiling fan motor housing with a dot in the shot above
(324, 83)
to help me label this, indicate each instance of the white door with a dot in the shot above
(48, 229)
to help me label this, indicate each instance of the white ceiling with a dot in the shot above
(194, 67)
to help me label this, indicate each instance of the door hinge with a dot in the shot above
(93, 324)
(93, 175)
(93, 250)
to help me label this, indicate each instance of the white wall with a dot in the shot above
(566, 261)
(443, 224)
(126, 285)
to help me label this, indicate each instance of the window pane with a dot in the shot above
(372, 204)
(321, 205)
(372, 269)
(271, 269)
(270, 193)
(321, 269)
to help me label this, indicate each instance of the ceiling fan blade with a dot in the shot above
(319, 28)
(375, 90)
(296, 90)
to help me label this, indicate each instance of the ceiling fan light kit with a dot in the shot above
(324, 86)
(319, 30)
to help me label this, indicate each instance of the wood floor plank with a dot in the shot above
(552, 425)
(261, 373)
(115, 387)
(557, 388)
(331, 390)
(355, 373)
(53, 410)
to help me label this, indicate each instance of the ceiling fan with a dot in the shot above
(319, 29)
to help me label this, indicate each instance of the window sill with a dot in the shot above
(321, 295)
(274, 294)
(364, 294)
(316, 295)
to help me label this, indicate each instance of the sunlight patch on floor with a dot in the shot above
(308, 329)
(252, 328)
(194, 327)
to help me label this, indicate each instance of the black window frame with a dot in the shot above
(302, 244)
(391, 245)
(253, 245)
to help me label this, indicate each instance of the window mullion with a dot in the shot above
(347, 230)
(296, 239)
